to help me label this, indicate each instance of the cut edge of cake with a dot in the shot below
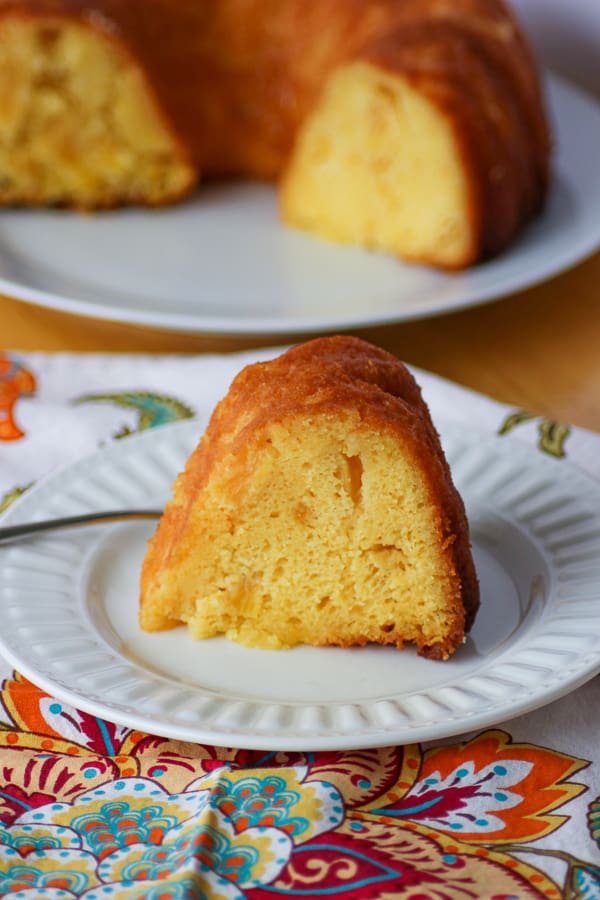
(317, 508)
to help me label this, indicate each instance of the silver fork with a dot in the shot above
(10, 533)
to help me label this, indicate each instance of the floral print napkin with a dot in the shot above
(92, 809)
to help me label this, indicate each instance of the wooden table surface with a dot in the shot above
(538, 350)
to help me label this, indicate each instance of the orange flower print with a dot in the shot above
(35, 711)
(99, 811)
(15, 381)
(494, 787)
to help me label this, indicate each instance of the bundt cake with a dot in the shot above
(415, 127)
(317, 508)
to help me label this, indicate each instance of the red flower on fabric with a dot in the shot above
(382, 822)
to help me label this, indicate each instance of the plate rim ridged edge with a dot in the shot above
(233, 728)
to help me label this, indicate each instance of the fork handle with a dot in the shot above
(10, 533)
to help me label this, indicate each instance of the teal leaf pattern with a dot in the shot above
(585, 883)
(152, 409)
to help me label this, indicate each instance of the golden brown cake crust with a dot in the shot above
(490, 89)
(235, 80)
(325, 377)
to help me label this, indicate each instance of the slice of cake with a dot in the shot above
(79, 121)
(318, 508)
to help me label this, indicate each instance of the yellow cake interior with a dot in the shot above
(77, 121)
(377, 145)
(317, 531)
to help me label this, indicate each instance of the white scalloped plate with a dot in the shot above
(223, 263)
(68, 606)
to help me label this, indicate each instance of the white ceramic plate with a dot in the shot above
(223, 263)
(68, 607)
